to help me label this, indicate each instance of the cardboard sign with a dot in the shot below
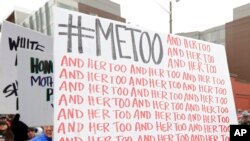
(15, 37)
(35, 77)
(115, 82)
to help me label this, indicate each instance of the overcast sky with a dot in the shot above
(188, 15)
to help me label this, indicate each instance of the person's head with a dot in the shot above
(19, 129)
(48, 131)
(31, 132)
(2, 118)
(3, 127)
(239, 111)
(245, 116)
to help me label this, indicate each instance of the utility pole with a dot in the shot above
(170, 12)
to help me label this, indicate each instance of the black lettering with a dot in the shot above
(133, 42)
(44, 66)
(98, 27)
(49, 94)
(14, 44)
(142, 47)
(10, 90)
(120, 41)
(160, 56)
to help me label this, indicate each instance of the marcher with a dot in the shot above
(31, 132)
(245, 119)
(3, 128)
(239, 114)
(5, 131)
(9, 136)
(19, 129)
(46, 135)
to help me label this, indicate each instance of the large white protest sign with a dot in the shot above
(115, 82)
(35, 71)
(15, 37)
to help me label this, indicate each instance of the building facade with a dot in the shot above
(241, 11)
(18, 16)
(41, 20)
(237, 47)
(214, 35)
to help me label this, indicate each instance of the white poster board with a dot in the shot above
(15, 37)
(35, 77)
(115, 82)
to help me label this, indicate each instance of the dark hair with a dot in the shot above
(2, 122)
(19, 129)
(32, 129)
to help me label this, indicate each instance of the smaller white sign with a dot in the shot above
(35, 77)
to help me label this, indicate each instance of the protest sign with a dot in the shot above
(15, 37)
(115, 82)
(35, 77)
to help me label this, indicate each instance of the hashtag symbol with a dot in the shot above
(79, 33)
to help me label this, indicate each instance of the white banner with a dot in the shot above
(115, 82)
(35, 77)
(15, 37)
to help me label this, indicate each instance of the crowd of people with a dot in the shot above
(13, 129)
